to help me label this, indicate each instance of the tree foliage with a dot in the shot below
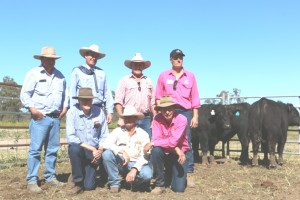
(9, 96)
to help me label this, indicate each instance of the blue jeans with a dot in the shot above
(44, 132)
(82, 168)
(190, 157)
(113, 165)
(145, 124)
(168, 164)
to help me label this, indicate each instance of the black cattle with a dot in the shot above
(212, 121)
(221, 123)
(268, 125)
(239, 125)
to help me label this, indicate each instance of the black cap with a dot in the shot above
(176, 52)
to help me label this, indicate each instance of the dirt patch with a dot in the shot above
(226, 180)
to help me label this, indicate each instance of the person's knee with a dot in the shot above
(74, 148)
(107, 155)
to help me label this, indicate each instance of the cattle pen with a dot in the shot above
(14, 132)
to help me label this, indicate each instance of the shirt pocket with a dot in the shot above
(186, 90)
(42, 88)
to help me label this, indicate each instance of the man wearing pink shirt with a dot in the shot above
(169, 147)
(137, 90)
(181, 85)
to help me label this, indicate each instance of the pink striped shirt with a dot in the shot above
(186, 93)
(170, 136)
(128, 93)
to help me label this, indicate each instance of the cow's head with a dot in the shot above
(293, 115)
(220, 116)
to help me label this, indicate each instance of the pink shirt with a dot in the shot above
(186, 93)
(128, 93)
(169, 137)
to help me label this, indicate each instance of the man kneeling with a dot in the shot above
(124, 153)
(170, 144)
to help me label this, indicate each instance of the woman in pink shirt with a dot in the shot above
(170, 145)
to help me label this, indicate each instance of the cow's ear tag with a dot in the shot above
(212, 112)
(237, 113)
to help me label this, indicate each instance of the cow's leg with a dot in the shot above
(280, 147)
(244, 140)
(212, 150)
(264, 149)
(255, 146)
(204, 148)
(271, 147)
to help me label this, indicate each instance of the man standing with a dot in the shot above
(89, 75)
(44, 94)
(87, 130)
(124, 153)
(181, 85)
(170, 145)
(136, 89)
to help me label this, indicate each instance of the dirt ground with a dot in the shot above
(225, 180)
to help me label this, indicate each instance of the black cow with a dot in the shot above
(213, 120)
(221, 123)
(239, 125)
(268, 125)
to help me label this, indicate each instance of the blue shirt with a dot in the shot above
(46, 93)
(80, 79)
(81, 128)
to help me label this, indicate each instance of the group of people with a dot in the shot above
(153, 137)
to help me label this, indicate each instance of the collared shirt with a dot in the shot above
(128, 93)
(81, 128)
(170, 136)
(80, 79)
(186, 93)
(119, 140)
(46, 93)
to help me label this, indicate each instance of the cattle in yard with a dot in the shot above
(268, 126)
(221, 123)
(212, 121)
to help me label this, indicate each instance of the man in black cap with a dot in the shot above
(181, 85)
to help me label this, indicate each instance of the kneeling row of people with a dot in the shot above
(127, 150)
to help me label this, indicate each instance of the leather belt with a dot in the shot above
(53, 115)
(146, 114)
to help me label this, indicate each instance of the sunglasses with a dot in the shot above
(139, 86)
(175, 84)
(178, 57)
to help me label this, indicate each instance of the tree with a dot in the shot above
(9, 96)
(236, 95)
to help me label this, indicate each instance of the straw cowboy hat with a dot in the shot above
(93, 48)
(84, 93)
(47, 52)
(137, 58)
(131, 111)
(164, 102)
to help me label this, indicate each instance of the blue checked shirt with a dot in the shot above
(80, 79)
(81, 128)
(45, 93)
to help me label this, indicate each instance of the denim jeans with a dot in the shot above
(113, 165)
(44, 132)
(167, 164)
(82, 168)
(190, 157)
(145, 124)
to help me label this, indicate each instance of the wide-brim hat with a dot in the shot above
(165, 101)
(93, 48)
(47, 52)
(85, 93)
(137, 58)
(130, 111)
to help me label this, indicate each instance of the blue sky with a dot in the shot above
(253, 45)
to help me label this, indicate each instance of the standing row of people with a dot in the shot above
(91, 104)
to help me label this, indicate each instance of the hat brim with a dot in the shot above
(83, 97)
(83, 51)
(139, 115)
(166, 105)
(38, 57)
(127, 63)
